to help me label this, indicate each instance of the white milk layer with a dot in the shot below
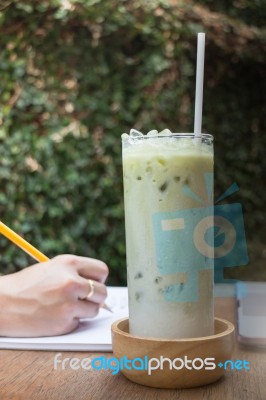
(155, 170)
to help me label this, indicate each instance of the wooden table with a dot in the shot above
(30, 375)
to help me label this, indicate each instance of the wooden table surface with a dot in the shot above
(30, 375)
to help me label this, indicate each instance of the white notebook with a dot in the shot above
(91, 334)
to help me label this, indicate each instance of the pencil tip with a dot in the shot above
(107, 308)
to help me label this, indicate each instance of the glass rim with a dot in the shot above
(206, 136)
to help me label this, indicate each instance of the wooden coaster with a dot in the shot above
(188, 363)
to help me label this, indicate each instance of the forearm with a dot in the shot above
(7, 315)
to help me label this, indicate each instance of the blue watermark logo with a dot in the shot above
(207, 237)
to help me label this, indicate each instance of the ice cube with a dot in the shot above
(153, 132)
(134, 133)
(165, 132)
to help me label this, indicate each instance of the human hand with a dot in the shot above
(49, 298)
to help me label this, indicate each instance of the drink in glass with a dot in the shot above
(163, 175)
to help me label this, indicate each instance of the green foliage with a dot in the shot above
(252, 12)
(77, 74)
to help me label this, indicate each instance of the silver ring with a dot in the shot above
(92, 289)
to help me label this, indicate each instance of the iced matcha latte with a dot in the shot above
(160, 171)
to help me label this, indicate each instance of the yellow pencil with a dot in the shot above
(28, 248)
(22, 243)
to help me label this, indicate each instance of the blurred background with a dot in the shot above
(76, 74)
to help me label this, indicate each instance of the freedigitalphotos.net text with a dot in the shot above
(144, 363)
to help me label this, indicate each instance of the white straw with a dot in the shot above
(199, 85)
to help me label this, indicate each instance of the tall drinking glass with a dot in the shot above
(168, 182)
